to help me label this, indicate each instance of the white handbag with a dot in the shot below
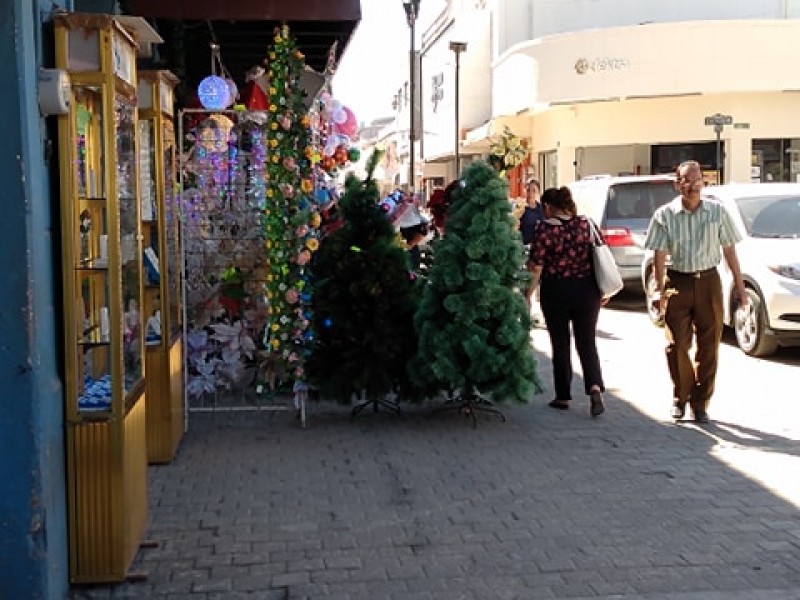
(606, 273)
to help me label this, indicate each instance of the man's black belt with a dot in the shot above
(692, 274)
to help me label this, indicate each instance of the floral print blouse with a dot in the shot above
(562, 249)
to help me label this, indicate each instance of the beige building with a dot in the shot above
(635, 99)
(611, 86)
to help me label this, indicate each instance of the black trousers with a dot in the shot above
(574, 302)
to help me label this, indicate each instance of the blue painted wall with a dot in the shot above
(33, 531)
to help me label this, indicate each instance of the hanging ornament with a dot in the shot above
(346, 124)
(340, 154)
(214, 93)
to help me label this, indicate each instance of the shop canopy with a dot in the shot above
(243, 30)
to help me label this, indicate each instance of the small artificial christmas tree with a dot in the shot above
(472, 322)
(364, 300)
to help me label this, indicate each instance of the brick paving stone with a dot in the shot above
(547, 505)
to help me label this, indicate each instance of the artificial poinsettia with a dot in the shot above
(507, 151)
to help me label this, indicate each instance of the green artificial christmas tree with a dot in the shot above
(364, 300)
(472, 322)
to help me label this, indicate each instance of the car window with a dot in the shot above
(637, 200)
(589, 200)
(770, 216)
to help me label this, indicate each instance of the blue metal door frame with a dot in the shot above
(33, 532)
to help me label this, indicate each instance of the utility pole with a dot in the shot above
(412, 12)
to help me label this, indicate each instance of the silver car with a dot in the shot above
(768, 217)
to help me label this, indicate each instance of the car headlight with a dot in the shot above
(790, 271)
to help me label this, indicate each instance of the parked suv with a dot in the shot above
(622, 207)
(768, 217)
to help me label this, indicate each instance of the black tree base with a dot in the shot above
(376, 405)
(470, 409)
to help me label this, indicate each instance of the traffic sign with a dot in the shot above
(719, 119)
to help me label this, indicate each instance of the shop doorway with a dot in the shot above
(548, 167)
(775, 160)
(665, 158)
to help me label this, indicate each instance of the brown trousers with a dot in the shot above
(694, 311)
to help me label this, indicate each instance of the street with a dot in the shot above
(750, 391)
(755, 399)
(549, 504)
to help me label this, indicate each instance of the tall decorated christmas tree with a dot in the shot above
(290, 215)
(472, 322)
(364, 300)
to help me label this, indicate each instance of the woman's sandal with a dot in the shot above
(596, 405)
(559, 404)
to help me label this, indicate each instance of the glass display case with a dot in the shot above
(163, 292)
(104, 365)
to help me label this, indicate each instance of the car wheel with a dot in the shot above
(750, 325)
(650, 293)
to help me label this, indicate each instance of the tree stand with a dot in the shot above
(469, 406)
(388, 402)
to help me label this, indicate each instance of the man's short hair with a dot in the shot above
(533, 181)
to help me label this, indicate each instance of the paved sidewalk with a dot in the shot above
(549, 504)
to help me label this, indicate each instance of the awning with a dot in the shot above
(436, 169)
(244, 30)
(478, 140)
(249, 10)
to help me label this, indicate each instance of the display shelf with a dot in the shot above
(163, 289)
(105, 407)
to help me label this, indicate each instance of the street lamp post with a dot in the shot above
(457, 48)
(718, 120)
(412, 12)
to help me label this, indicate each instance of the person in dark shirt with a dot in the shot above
(533, 212)
(527, 224)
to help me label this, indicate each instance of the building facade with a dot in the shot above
(636, 87)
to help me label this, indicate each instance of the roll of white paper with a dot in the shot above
(105, 325)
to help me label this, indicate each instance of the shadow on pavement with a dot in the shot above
(550, 504)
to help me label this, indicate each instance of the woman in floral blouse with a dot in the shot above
(561, 261)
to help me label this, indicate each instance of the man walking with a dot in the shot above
(694, 232)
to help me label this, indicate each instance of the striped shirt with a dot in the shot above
(692, 239)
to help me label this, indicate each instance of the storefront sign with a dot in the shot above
(437, 90)
(600, 64)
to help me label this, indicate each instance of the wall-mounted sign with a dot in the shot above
(601, 64)
(437, 90)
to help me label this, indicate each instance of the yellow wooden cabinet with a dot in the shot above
(163, 291)
(104, 366)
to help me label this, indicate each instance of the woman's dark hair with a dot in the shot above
(560, 199)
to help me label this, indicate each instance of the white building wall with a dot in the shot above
(629, 62)
(475, 96)
(521, 20)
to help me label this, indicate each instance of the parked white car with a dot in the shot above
(768, 216)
